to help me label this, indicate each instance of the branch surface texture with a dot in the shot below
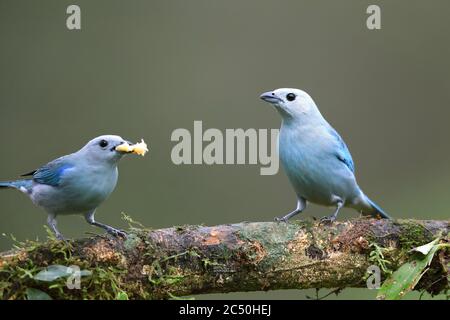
(187, 260)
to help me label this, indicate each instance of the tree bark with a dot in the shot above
(187, 260)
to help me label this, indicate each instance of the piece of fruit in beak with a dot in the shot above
(139, 148)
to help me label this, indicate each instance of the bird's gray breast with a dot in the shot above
(80, 190)
(313, 170)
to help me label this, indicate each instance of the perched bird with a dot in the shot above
(76, 183)
(315, 158)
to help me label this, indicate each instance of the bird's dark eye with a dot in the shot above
(103, 143)
(290, 97)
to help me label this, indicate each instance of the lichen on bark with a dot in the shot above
(186, 260)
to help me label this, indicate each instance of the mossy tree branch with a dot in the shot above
(186, 260)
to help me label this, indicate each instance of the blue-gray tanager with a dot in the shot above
(315, 158)
(77, 183)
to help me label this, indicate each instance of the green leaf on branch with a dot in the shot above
(409, 274)
(121, 295)
(36, 294)
(57, 271)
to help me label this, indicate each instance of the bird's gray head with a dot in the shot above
(103, 149)
(291, 103)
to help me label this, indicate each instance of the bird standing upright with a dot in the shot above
(77, 183)
(315, 158)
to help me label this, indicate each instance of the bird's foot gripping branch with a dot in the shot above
(186, 260)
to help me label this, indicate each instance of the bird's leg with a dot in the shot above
(51, 221)
(301, 205)
(332, 218)
(112, 231)
(288, 216)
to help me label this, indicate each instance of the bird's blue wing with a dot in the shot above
(342, 152)
(51, 173)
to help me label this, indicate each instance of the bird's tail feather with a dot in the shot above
(377, 211)
(17, 184)
(6, 184)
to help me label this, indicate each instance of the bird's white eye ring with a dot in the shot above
(103, 143)
(290, 96)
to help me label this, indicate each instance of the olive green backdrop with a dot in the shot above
(141, 69)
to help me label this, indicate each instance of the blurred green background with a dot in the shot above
(141, 69)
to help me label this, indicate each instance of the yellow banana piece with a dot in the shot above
(139, 148)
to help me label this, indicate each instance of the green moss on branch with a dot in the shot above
(188, 260)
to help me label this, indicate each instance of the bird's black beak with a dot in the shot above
(271, 97)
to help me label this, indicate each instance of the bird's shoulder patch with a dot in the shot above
(347, 161)
(51, 173)
(342, 152)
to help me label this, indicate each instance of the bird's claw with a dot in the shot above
(60, 237)
(327, 219)
(282, 219)
(63, 239)
(116, 232)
